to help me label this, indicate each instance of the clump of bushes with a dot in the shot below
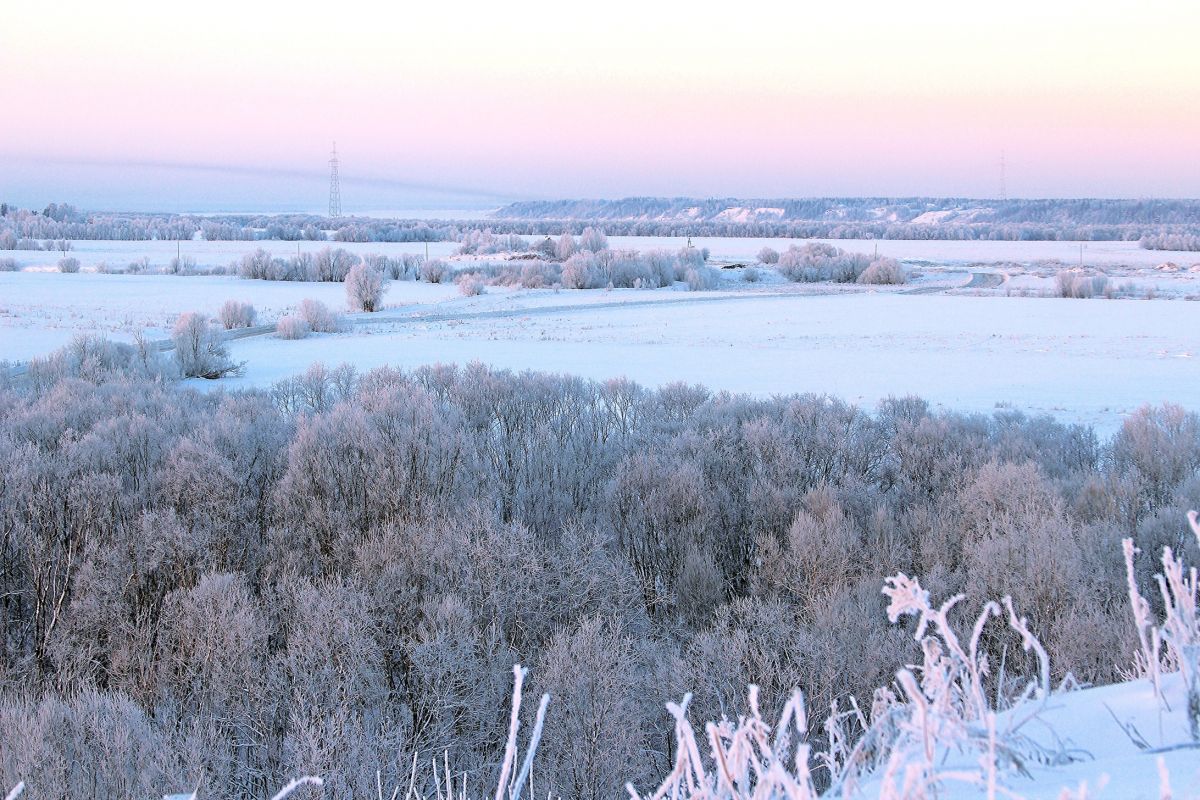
(236, 314)
(768, 255)
(182, 265)
(404, 267)
(469, 285)
(751, 275)
(330, 265)
(818, 261)
(702, 278)
(434, 270)
(318, 316)
(884, 271)
(484, 242)
(1080, 286)
(68, 264)
(8, 265)
(292, 326)
(97, 360)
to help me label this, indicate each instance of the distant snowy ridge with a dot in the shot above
(904, 210)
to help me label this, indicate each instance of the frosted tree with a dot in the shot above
(593, 239)
(364, 287)
(565, 247)
(199, 349)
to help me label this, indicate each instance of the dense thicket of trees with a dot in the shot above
(1171, 241)
(227, 590)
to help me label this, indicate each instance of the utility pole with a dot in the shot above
(335, 188)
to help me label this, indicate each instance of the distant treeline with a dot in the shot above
(22, 229)
(1148, 221)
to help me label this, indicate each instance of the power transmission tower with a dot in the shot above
(335, 187)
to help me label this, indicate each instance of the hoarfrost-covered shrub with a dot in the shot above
(579, 270)
(884, 271)
(469, 285)
(364, 287)
(434, 270)
(389, 267)
(182, 265)
(96, 360)
(8, 265)
(292, 327)
(236, 314)
(689, 257)
(819, 261)
(751, 275)
(1157, 449)
(768, 255)
(257, 265)
(332, 265)
(593, 239)
(565, 247)
(533, 276)
(318, 316)
(68, 264)
(701, 278)
(660, 266)
(1079, 286)
(199, 350)
(412, 265)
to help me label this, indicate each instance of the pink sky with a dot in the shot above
(535, 99)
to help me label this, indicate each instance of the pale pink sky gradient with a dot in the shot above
(539, 99)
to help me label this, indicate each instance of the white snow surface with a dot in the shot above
(1108, 762)
(1089, 361)
(969, 349)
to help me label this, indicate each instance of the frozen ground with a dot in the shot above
(1110, 765)
(1090, 361)
(974, 349)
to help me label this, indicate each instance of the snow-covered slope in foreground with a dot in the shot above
(1098, 727)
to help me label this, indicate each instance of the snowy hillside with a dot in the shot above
(914, 210)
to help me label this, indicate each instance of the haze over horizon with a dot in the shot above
(142, 106)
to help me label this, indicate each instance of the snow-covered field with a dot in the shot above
(1090, 361)
(971, 349)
